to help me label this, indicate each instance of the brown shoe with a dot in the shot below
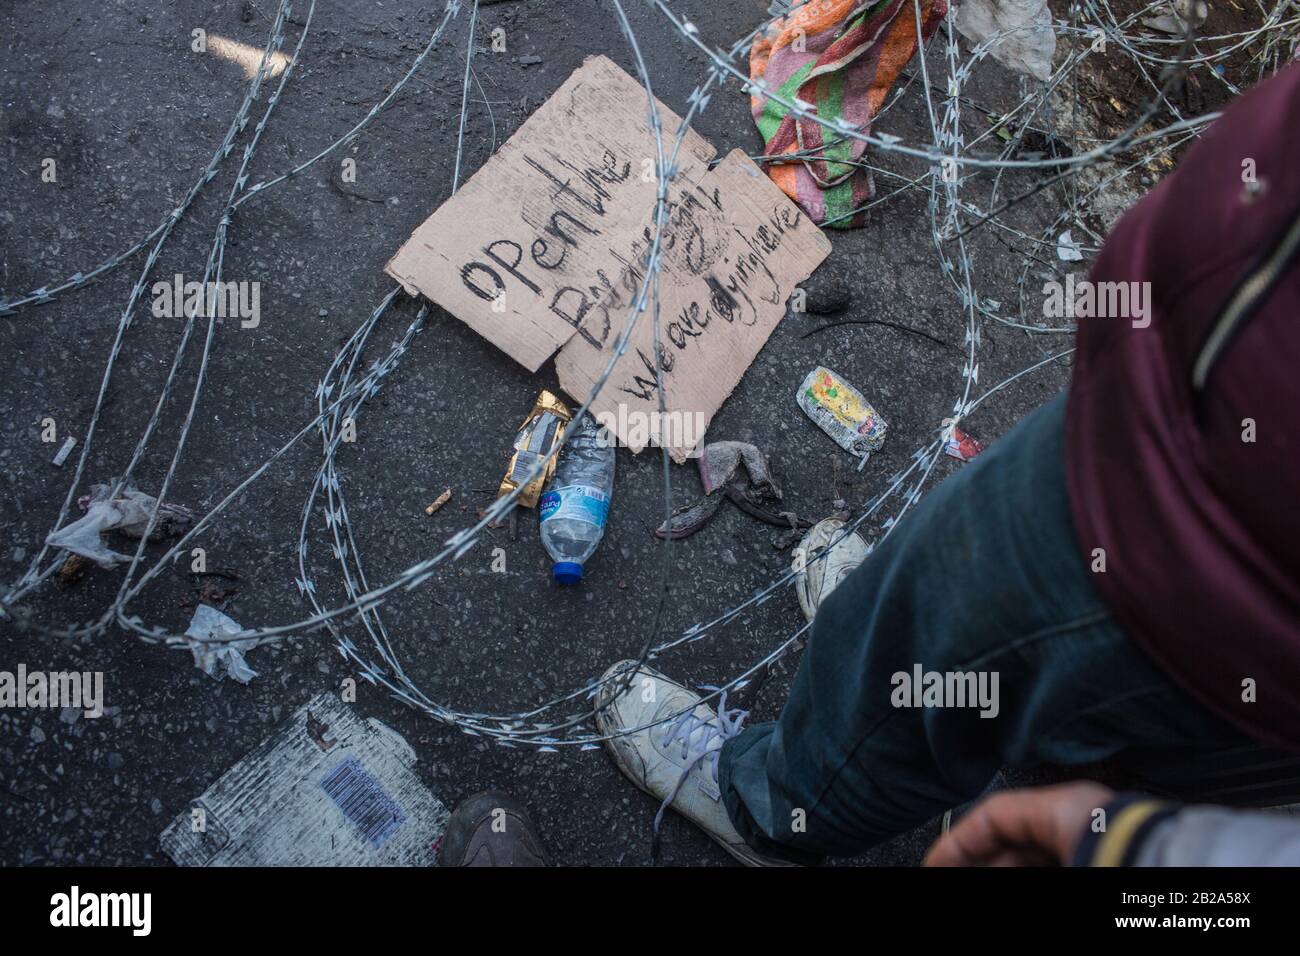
(491, 829)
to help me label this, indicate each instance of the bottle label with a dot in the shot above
(579, 502)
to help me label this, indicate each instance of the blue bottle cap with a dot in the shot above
(567, 572)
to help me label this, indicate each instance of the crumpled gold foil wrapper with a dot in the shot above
(541, 431)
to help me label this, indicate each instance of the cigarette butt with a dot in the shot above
(72, 568)
(441, 500)
(69, 443)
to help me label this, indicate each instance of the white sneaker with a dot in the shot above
(675, 761)
(816, 579)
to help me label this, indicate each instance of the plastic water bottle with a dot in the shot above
(574, 510)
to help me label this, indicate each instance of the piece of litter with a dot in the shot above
(737, 472)
(441, 500)
(219, 660)
(962, 446)
(328, 788)
(842, 412)
(1020, 30)
(1165, 23)
(1067, 249)
(69, 443)
(72, 569)
(541, 431)
(1178, 18)
(829, 56)
(127, 514)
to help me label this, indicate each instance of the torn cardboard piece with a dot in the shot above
(736, 250)
(530, 241)
(326, 789)
(543, 250)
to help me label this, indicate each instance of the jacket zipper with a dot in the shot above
(1250, 292)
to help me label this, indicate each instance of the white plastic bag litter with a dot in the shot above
(128, 513)
(1067, 249)
(1176, 17)
(218, 660)
(1028, 48)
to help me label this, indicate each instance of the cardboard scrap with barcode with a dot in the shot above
(525, 247)
(736, 249)
(326, 789)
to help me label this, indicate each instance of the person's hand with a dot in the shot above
(1040, 826)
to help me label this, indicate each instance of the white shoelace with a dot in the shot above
(697, 734)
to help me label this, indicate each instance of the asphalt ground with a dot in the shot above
(131, 114)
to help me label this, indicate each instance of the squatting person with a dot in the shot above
(1125, 559)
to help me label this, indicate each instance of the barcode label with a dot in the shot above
(525, 462)
(363, 801)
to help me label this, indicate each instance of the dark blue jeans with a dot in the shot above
(984, 575)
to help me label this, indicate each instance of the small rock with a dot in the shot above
(826, 295)
(115, 761)
(529, 60)
(729, 558)
(37, 735)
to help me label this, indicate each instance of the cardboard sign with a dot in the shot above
(536, 237)
(543, 249)
(736, 248)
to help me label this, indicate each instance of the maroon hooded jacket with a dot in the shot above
(1183, 437)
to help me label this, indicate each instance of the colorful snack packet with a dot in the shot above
(841, 412)
(961, 446)
(537, 437)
